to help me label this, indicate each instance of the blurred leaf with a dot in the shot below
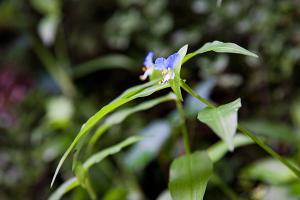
(46, 6)
(222, 120)
(105, 62)
(83, 178)
(218, 150)
(204, 88)
(154, 135)
(64, 188)
(278, 192)
(272, 129)
(189, 175)
(165, 195)
(175, 83)
(269, 170)
(96, 158)
(295, 112)
(60, 111)
(47, 28)
(220, 47)
(116, 194)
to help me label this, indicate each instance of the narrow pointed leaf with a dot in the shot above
(129, 95)
(222, 120)
(96, 158)
(189, 175)
(220, 47)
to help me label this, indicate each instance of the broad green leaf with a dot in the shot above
(175, 83)
(220, 47)
(218, 150)
(270, 171)
(96, 158)
(118, 117)
(105, 62)
(129, 95)
(189, 175)
(222, 120)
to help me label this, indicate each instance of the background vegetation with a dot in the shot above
(63, 60)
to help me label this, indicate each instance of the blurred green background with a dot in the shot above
(61, 61)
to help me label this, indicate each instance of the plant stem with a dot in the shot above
(183, 127)
(258, 141)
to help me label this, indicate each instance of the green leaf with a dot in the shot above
(270, 171)
(83, 178)
(64, 188)
(106, 62)
(175, 83)
(218, 150)
(220, 47)
(118, 117)
(189, 175)
(129, 95)
(96, 158)
(222, 120)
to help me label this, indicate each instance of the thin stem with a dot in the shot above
(183, 127)
(258, 141)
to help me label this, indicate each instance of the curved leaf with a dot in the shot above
(220, 47)
(129, 95)
(96, 158)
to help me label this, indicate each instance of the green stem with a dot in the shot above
(183, 127)
(258, 141)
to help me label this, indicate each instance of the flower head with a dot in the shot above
(148, 66)
(167, 66)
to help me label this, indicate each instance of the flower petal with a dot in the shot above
(161, 64)
(149, 60)
(173, 59)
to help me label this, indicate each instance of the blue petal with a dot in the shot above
(173, 59)
(149, 60)
(161, 64)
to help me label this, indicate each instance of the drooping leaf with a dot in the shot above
(220, 47)
(175, 83)
(222, 120)
(189, 175)
(96, 158)
(129, 95)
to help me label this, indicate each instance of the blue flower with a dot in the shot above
(166, 65)
(148, 66)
